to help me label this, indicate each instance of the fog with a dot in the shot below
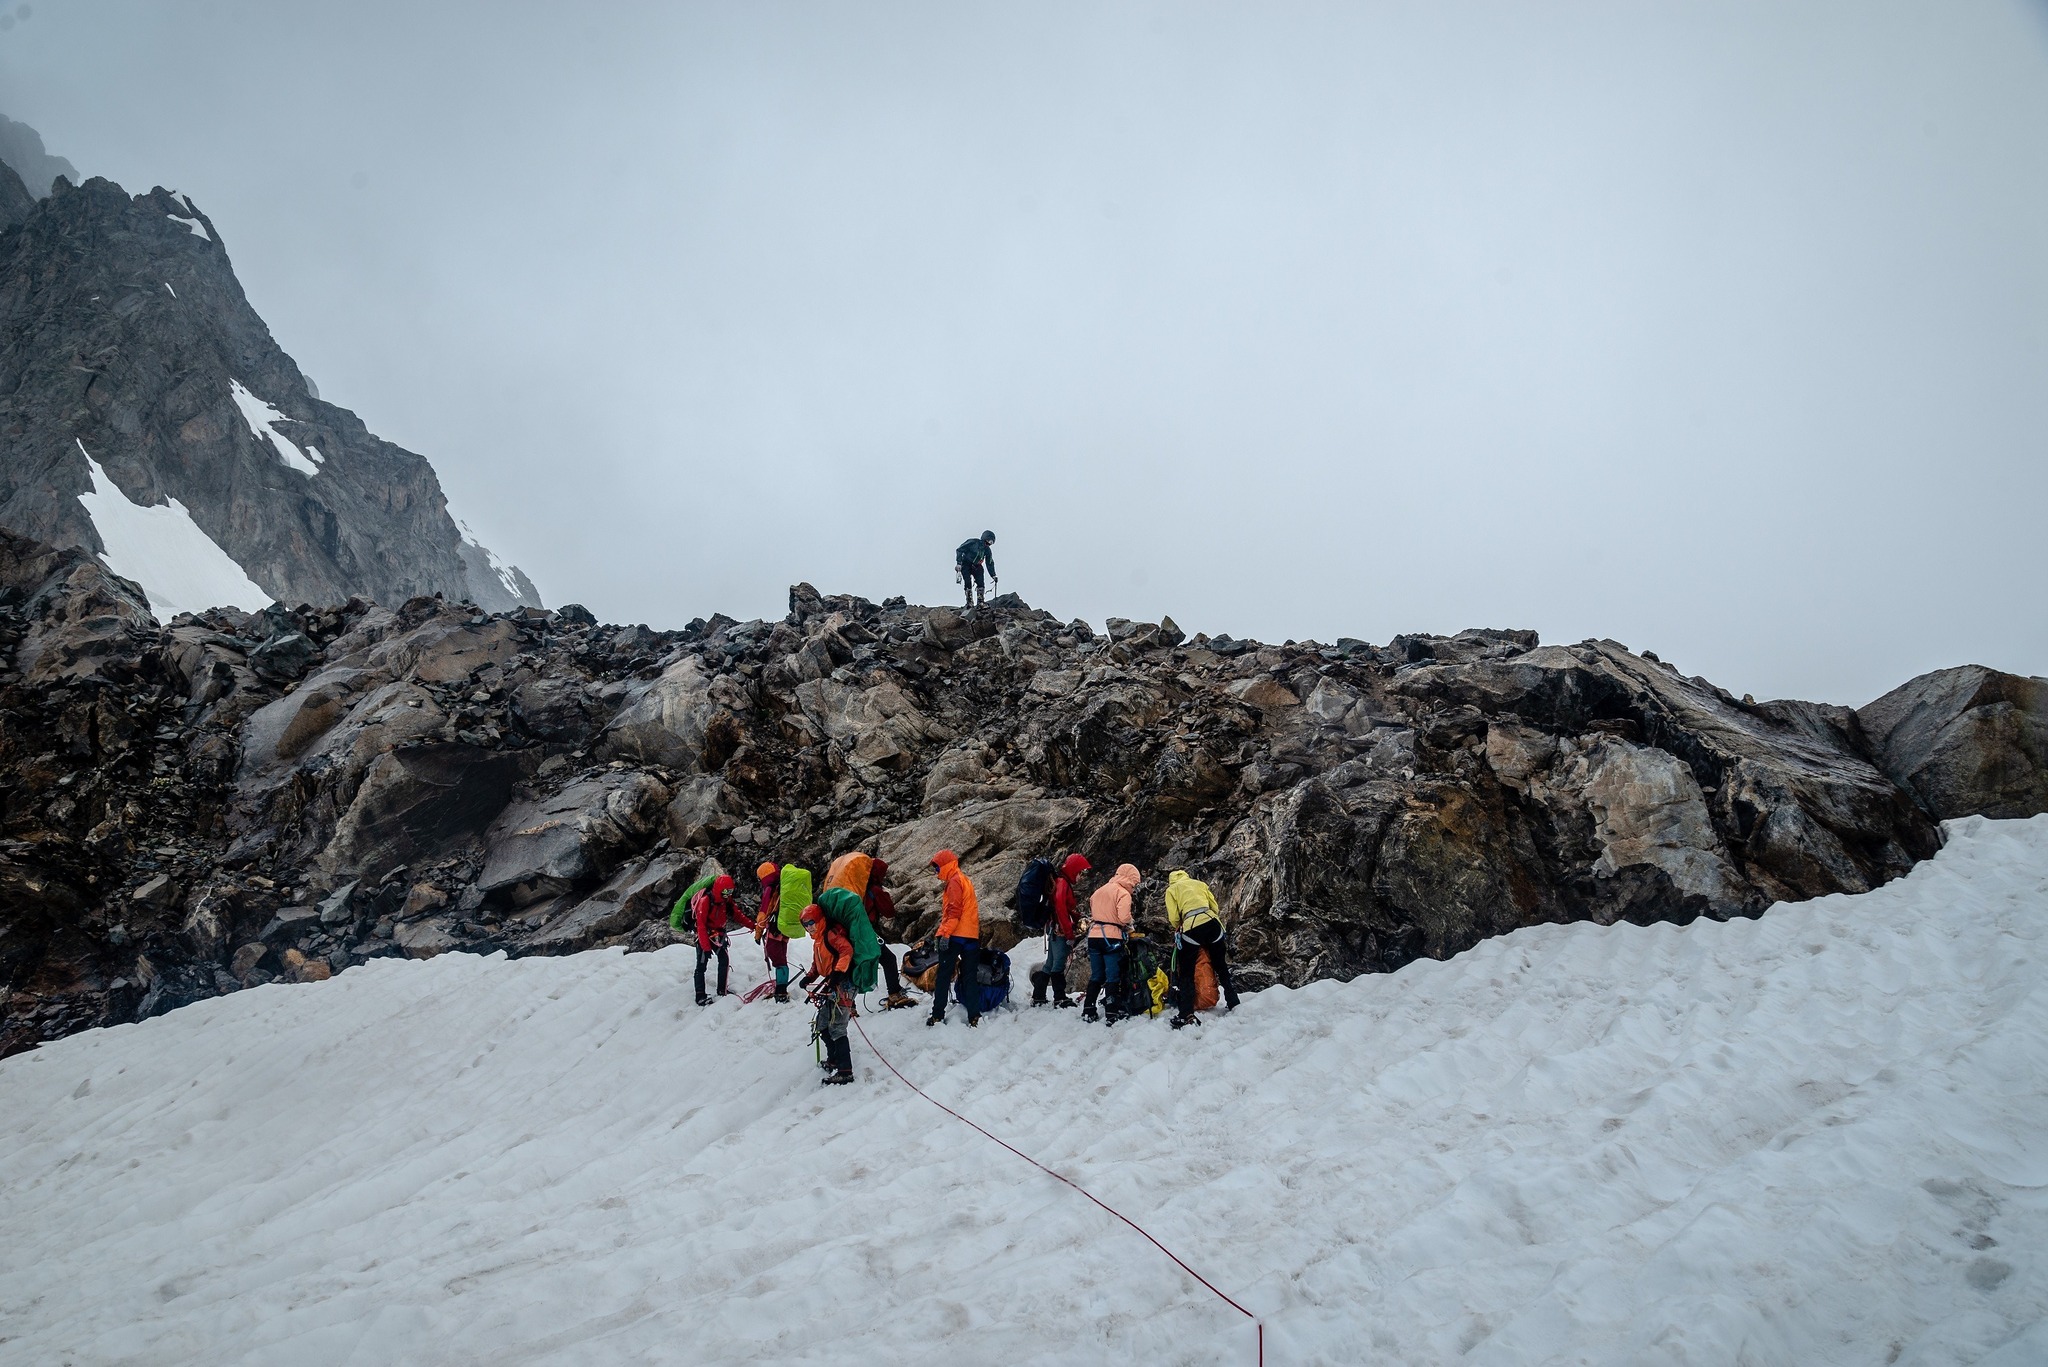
(1718, 329)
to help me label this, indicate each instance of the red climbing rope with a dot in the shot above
(1178, 1261)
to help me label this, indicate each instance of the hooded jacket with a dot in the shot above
(714, 908)
(1189, 903)
(771, 897)
(881, 906)
(831, 948)
(1065, 900)
(959, 909)
(1109, 910)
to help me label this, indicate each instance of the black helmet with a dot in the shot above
(988, 536)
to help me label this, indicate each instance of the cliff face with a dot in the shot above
(146, 415)
(241, 798)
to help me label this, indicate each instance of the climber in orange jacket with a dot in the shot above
(959, 934)
(831, 969)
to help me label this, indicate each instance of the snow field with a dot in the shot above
(1820, 1137)
(180, 567)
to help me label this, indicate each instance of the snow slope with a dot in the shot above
(263, 418)
(1821, 1137)
(179, 566)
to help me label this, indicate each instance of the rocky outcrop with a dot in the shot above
(1966, 740)
(135, 378)
(15, 200)
(245, 798)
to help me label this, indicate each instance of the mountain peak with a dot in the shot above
(152, 416)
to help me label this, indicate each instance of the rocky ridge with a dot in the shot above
(233, 799)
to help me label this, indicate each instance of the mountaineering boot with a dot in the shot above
(896, 1001)
(1064, 1000)
(973, 1022)
(836, 1077)
(703, 1000)
(782, 995)
(1088, 1004)
(1185, 1018)
(936, 1018)
(1230, 1002)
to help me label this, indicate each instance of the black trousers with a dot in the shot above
(1207, 936)
(704, 959)
(895, 984)
(955, 951)
(973, 583)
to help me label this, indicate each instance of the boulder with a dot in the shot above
(879, 727)
(543, 847)
(994, 841)
(1968, 741)
(641, 889)
(283, 658)
(283, 729)
(665, 722)
(415, 804)
(424, 939)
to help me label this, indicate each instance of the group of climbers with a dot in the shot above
(853, 917)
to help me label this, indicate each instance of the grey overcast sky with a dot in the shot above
(1720, 329)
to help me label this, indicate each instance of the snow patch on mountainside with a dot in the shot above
(179, 566)
(192, 224)
(497, 567)
(1821, 1136)
(263, 419)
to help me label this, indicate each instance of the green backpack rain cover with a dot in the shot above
(844, 909)
(796, 895)
(679, 915)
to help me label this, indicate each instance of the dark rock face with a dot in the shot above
(1966, 740)
(15, 200)
(125, 338)
(242, 798)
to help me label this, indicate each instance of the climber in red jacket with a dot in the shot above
(715, 908)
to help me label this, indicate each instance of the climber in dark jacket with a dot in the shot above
(969, 562)
(882, 916)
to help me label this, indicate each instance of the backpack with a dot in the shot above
(1140, 993)
(680, 917)
(1032, 901)
(1205, 983)
(921, 963)
(991, 987)
(796, 895)
(842, 907)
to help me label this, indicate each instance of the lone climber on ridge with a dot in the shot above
(968, 563)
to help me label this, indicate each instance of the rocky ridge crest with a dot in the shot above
(234, 799)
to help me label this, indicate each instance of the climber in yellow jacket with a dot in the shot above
(1197, 929)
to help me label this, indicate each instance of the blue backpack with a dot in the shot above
(991, 988)
(1032, 901)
